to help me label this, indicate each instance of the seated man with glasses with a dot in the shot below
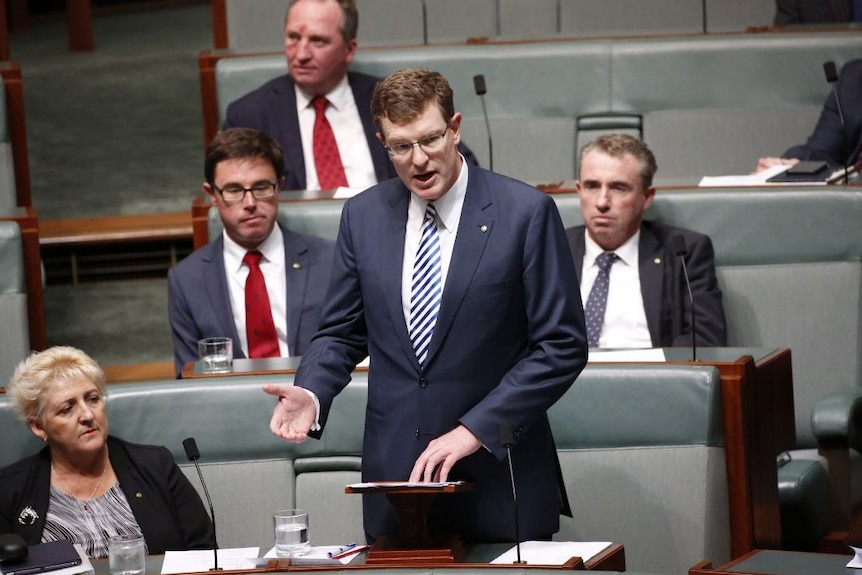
(258, 283)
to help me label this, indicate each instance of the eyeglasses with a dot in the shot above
(430, 143)
(234, 194)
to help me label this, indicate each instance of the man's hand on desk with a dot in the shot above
(441, 454)
(294, 414)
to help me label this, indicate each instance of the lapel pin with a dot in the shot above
(297, 265)
(483, 228)
(139, 495)
(28, 516)
(657, 261)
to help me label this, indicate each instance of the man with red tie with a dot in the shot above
(319, 112)
(258, 283)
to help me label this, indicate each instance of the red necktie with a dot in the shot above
(327, 160)
(259, 327)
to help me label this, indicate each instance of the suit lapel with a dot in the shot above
(476, 226)
(296, 269)
(579, 246)
(217, 291)
(651, 267)
(288, 123)
(391, 247)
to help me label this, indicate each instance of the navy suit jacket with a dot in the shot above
(827, 140)
(509, 341)
(271, 108)
(199, 302)
(812, 11)
(665, 296)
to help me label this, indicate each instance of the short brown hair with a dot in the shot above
(350, 25)
(402, 96)
(617, 145)
(242, 143)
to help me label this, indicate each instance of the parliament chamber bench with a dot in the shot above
(641, 449)
(789, 263)
(705, 104)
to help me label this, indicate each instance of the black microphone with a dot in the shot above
(507, 439)
(832, 78)
(481, 90)
(678, 243)
(191, 447)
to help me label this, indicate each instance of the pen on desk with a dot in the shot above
(351, 551)
(341, 549)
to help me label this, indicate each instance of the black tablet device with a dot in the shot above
(807, 171)
(45, 557)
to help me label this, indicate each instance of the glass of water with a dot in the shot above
(126, 554)
(291, 533)
(215, 354)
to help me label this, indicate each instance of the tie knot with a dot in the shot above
(431, 212)
(252, 258)
(319, 103)
(606, 260)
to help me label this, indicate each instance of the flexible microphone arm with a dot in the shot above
(679, 250)
(481, 90)
(507, 438)
(191, 447)
(832, 77)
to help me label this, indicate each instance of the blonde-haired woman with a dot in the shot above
(85, 485)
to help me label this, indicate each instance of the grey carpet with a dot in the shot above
(116, 323)
(117, 130)
(114, 131)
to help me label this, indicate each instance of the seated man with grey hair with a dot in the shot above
(631, 277)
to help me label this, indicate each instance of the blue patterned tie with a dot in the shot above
(594, 311)
(427, 286)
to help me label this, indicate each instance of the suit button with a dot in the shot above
(417, 434)
(423, 383)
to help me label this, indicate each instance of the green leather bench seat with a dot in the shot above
(612, 431)
(707, 105)
(15, 343)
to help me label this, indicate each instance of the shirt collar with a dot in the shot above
(449, 206)
(627, 253)
(272, 249)
(338, 97)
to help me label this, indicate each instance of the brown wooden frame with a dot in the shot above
(29, 224)
(16, 121)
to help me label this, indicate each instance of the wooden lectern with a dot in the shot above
(413, 543)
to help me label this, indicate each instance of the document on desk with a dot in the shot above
(758, 179)
(196, 561)
(552, 552)
(381, 484)
(856, 562)
(646, 355)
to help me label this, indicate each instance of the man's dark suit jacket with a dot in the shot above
(199, 301)
(812, 11)
(509, 341)
(271, 108)
(665, 296)
(827, 140)
(165, 505)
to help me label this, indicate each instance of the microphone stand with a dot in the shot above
(507, 437)
(191, 447)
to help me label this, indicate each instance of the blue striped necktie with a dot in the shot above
(426, 286)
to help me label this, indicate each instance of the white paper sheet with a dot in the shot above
(553, 552)
(320, 555)
(202, 560)
(342, 193)
(758, 179)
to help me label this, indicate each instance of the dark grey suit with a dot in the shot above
(666, 303)
(199, 301)
(812, 11)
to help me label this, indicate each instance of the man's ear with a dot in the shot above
(380, 138)
(650, 195)
(210, 192)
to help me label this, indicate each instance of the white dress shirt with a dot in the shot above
(349, 134)
(272, 266)
(449, 212)
(625, 324)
